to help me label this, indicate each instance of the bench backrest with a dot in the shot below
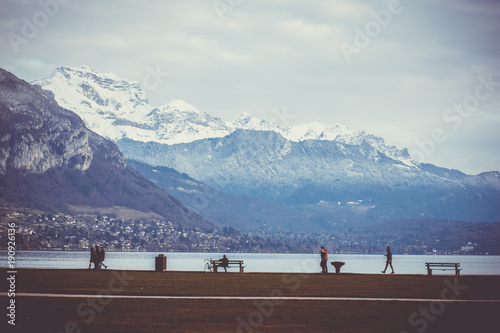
(229, 261)
(442, 264)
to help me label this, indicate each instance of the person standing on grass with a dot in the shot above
(324, 259)
(389, 260)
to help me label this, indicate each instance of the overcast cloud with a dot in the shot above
(422, 74)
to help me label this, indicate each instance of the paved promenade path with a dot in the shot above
(83, 300)
(250, 298)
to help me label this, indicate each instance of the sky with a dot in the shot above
(422, 74)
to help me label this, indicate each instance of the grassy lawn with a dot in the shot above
(167, 315)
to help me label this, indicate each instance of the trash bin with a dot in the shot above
(160, 263)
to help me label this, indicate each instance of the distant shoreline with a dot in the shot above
(180, 251)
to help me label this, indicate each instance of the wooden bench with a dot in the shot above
(443, 266)
(231, 263)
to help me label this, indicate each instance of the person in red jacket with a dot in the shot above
(324, 259)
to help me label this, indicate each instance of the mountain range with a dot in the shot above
(49, 160)
(328, 176)
(118, 109)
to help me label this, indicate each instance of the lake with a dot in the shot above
(255, 262)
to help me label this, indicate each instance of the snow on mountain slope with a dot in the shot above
(246, 121)
(316, 131)
(103, 101)
(343, 134)
(180, 122)
(118, 109)
(311, 131)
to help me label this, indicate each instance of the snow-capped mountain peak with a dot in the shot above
(181, 122)
(105, 89)
(244, 119)
(117, 108)
(104, 101)
(345, 135)
(248, 122)
(310, 131)
(180, 105)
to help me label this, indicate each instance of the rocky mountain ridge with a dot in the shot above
(244, 213)
(49, 160)
(327, 178)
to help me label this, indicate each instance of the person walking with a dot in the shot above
(92, 257)
(389, 260)
(324, 259)
(102, 256)
(97, 263)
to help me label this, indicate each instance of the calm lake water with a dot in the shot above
(255, 262)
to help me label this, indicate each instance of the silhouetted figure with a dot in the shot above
(93, 257)
(389, 260)
(224, 262)
(97, 257)
(324, 259)
(102, 256)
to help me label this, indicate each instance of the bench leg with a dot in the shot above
(429, 272)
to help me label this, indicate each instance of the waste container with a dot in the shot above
(160, 263)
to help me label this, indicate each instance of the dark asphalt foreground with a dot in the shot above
(252, 302)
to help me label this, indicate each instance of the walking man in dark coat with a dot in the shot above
(389, 260)
(93, 258)
(97, 262)
(102, 256)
